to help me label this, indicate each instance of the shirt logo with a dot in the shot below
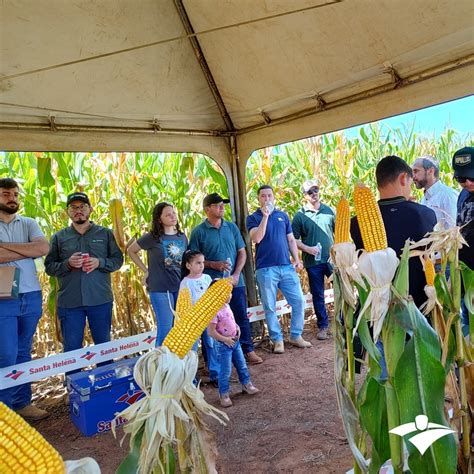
(430, 432)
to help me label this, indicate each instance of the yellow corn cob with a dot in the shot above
(116, 214)
(23, 449)
(184, 302)
(341, 233)
(370, 221)
(429, 272)
(190, 325)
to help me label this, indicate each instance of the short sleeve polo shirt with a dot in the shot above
(273, 250)
(22, 230)
(217, 244)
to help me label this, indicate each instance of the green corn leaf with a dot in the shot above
(419, 383)
(373, 413)
(130, 464)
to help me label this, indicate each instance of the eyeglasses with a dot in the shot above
(82, 207)
(312, 191)
(463, 179)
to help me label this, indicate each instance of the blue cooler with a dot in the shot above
(96, 395)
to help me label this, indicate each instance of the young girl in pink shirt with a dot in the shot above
(226, 333)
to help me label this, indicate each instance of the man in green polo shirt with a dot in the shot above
(313, 228)
(223, 248)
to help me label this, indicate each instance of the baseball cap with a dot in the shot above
(77, 197)
(213, 198)
(307, 185)
(463, 163)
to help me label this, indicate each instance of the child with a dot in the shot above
(192, 267)
(226, 332)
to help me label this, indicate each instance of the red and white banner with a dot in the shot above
(66, 361)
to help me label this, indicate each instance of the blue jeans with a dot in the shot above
(238, 305)
(226, 356)
(162, 304)
(73, 323)
(285, 278)
(209, 354)
(316, 276)
(18, 319)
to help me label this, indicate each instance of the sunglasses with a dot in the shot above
(313, 191)
(463, 179)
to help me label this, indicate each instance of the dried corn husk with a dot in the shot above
(344, 258)
(378, 268)
(170, 415)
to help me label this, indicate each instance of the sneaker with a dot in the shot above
(253, 358)
(323, 334)
(300, 342)
(32, 413)
(278, 347)
(225, 400)
(250, 388)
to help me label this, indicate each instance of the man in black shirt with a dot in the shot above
(403, 219)
(463, 166)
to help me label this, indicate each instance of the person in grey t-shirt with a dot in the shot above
(164, 245)
(82, 257)
(21, 241)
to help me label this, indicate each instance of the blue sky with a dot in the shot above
(457, 114)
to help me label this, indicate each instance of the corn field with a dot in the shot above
(140, 180)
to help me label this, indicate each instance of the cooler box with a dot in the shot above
(96, 395)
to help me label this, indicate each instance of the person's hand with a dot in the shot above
(90, 264)
(145, 277)
(75, 260)
(221, 266)
(298, 266)
(235, 279)
(265, 211)
(312, 250)
(228, 341)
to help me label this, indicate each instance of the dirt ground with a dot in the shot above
(292, 426)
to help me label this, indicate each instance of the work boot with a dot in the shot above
(32, 413)
(253, 358)
(225, 400)
(250, 388)
(323, 334)
(300, 342)
(278, 347)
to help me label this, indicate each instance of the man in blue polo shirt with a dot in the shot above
(223, 248)
(270, 230)
(313, 228)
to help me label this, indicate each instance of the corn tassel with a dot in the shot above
(341, 233)
(23, 449)
(116, 214)
(370, 221)
(191, 324)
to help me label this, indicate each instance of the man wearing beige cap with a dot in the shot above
(437, 196)
(313, 228)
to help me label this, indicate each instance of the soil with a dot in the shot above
(292, 426)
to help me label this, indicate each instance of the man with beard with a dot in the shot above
(21, 241)
(437, 196)
(82, 257)
(313, 228)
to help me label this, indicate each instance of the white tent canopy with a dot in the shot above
(221, 77)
